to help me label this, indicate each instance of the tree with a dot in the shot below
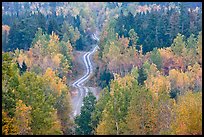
(41, 20)
(184, 20)
(96, 116)
(157, 84)
(53, 26)
(190, 50)
(38, 36)
(63, 106)
(32, 90)
(199, 47)
(9, 85)
(141, 118)
(180, 81)
(142, 76)
(156, 58)
(22, 32)
(83, 121)
(5, 33)
(133, 37)
(178, 44)
(135, 73)
(10, 82)
(23, 118)
(8, 127)
(113, 116)
(105, 78)
(188, 115)
(164, 106)
(69, 33)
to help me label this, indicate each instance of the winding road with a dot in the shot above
(77, 101)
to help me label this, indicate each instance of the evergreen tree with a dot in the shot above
(142, 76)
(156, 58)
(83, 121)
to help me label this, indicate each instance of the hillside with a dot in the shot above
(101, 68)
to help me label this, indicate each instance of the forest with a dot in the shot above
(148, 67)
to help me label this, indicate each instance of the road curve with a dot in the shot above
(77, 101)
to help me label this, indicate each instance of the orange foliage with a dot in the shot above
(57, 59)
(124, 42)
(171, 61)
(23, 118)
(20, 59)
(6, 28)
(55, 82)
(179, 80)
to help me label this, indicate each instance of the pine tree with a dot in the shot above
(83, 121)
(142, 76)
(156, 58)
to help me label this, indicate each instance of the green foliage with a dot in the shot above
(100, 106)
(156, 58)
(63, 107)
(153, 96)
(158, 28)
(53, 26)
(37, 93)
(83, 121)
(178, 45)
(70, 34)
(105, 78)
(115, 110)
(9, 84)
(31, 90)
(135, 73)
(142, 76)
(191, 42)
(133, 37)
(23, 31)
(37, 69)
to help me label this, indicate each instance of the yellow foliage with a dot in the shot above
(8, 127)
(69, 46)
(107, 125)
(20, 59)
(57, 59)
(28, 61)
(157, 84)
(188, 114)
(53, 47)
(49, 73)
(56, 125)
(166, 52)
(101, 130)
(133, 123)
(23, 118)
(54, 81)
(54, 38)
(179, 79)
(125, 81)
(122, 82)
